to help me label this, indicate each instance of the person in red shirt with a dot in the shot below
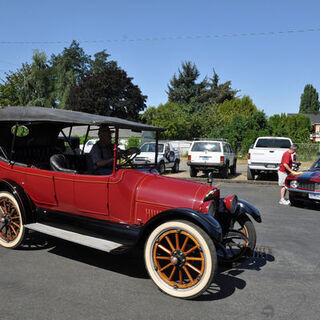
(284, 170)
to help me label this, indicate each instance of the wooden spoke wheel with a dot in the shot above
(12, 230)
(181, 259)
(236, 246)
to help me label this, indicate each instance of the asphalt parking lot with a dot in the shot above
(55, 279)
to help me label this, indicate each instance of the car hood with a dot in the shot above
(166, 193)
(309, 175)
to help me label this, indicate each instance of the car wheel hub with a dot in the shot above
(178, 259)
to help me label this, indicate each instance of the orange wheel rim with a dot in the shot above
(244, 231)
(178, 259)
(10, 221)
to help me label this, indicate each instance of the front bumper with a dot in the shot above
(302, 194)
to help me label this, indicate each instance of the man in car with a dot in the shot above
(102, 152)
(284, 170)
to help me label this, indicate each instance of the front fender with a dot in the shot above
(246, 207)
(208, 223)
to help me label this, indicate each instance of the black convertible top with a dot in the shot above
(65, 118)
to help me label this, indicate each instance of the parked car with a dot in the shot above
(168, 156)
(211, 155)
(184, 227)
(88, 145)
(305, 187)
(265, 155)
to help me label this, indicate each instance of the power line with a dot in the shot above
(187, 37)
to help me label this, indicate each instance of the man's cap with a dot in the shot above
(105, 128)
(294, 146)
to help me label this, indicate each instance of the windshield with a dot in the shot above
(151, 147)
(273, 143)
(316, 165)
(206, 146)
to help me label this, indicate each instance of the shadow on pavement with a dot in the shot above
(131, 263)
(227, 280)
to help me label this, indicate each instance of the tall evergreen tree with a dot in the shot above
(217, 92)
(309, 102)
(39, 85)
(183, 88)
(68, 67)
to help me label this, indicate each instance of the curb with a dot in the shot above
(254, 182)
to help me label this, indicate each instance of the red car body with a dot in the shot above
(126, 196)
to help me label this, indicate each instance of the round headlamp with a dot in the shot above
(212, 209)
(231, 203)
(294, 184)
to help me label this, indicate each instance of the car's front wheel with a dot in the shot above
(236, 246)
(293, 200)
(180, 258)
(12, 230)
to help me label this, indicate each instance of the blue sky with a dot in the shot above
(271, 69)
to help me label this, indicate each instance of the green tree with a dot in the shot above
(69, 68)
(183, 88)
(242, 130)
(237, 106)
(109, 92)
(38, 84)
(101, 61)
(309, 102)
(178, 121)
(297, 127)
(217, 93)
(12, 91)
(277, 125)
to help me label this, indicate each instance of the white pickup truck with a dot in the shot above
(265, 155)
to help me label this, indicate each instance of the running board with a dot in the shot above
(92, 242)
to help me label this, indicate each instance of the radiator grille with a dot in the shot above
(307, 185)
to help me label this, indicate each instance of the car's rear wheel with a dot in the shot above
(161, 167)
(233, 168)
(180, 258)
(193, 172)
(250, 174)
(175, 168)
(12, 230)
(224, 172)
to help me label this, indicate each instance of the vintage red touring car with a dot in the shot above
(183, 227)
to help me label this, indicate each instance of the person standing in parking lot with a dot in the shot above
(284, 170)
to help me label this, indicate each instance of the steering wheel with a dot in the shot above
(128, 155)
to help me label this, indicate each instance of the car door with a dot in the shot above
(82, 194)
